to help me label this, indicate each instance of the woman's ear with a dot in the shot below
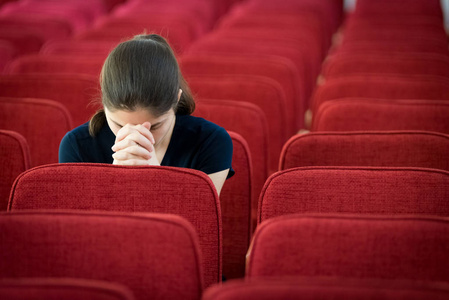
(179, 94)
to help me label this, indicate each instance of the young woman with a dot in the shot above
(146, 117)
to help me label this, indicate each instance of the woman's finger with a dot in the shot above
(133, 139)
(128, 129)
(130, 162)
(132, 152)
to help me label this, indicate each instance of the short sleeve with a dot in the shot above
(216, 153)
(69, 150)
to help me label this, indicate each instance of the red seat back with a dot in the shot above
(326, 288)
(374, 114)
(14, 159)
(370, 148)
(235, 200)
(152, 254)
(43, 123)
(185, 192)
(384, 247)
(358, 190)
(261, 91)
(249, 121)
(62, 288)
(55, 64)
(75, 91)
(382, 87)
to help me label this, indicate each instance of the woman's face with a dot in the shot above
(159, 126)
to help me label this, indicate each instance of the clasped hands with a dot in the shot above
(134, 146)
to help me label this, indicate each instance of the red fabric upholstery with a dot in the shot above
(179, 33)
(294, 38)
(330, 12)
(7, 53)
(373, 114)
(154, 255)
(393, 34)
(263, 92)
(326, 288)
(185, 192)
(83, 49)
(77, 16)
(51, 64)
(23, 40)
(249, 121)
(47, 28)
(58, 288)
(278, 69)
(14, 159)
(403, 247)
(200, 12)
(75, 91)
(361, 190)
(218, 45)
(413, 63)
(235, 200)
(389, 149)
(421, 7)
(43, 123)
(414, 44)
(95, 8)
(383, 87)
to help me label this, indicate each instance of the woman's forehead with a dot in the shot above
(137, 116)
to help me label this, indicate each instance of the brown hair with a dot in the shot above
(142, 73)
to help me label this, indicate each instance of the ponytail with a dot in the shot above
(96, 122)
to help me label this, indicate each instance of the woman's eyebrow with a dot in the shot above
(156, 124)
(115, 123)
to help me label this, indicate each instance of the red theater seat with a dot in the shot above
(413, 8)
(43, 123)
(278, 69)
(118, 29)
(154, 255)
(78, 17)
(260, 49)
(249, 121)
(46, 28)
(358, 190)
(77, 92)
(14, 159)
(350, 64)
(7, 53)
(382, 86)
(98, 50)
(326, 288)
(384, 247)
(367, 148)
(55, 64)
(185, 192)
(62, 288)
(376, 114)
(200, 12)
(24, 42)
(235, 200)
(261, 91)
(415, 44)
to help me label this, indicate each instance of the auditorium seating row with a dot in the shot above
(254, 73)
(388, 234)
(384, 53)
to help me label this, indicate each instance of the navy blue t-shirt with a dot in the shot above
(195, 144)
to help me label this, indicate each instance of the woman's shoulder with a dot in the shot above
(80, 132)
(198, 131)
